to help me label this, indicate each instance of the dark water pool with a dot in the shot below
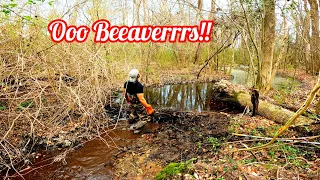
(185, 97)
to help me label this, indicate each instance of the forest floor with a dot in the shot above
(292, 95)
(201, 146)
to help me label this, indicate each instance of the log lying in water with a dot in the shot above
(227, 92)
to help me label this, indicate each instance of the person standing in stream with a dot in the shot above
(133, 92)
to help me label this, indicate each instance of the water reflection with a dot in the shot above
(186, 97)
(197, 97)
(241, 77)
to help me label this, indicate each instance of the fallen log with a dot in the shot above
(235, 94)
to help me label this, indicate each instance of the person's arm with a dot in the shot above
(126, 95)
(145, 104)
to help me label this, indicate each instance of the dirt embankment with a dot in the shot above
(182, 136)
(205, 140)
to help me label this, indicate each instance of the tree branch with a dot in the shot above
(222, 48)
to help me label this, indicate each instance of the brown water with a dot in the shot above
(92, 161)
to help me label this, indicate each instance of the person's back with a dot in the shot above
(133, 91)
(133, 87)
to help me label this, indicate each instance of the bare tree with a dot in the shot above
(306, 36)
(283, 46)
(267, 44)
(315, 40)
(137, 13)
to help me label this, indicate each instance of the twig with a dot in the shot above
(278, 172)
(11, 161)
(293, 140)
(12, 124)
(222, 48)
(250, 151)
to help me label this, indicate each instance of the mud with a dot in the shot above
(92, 159)
(183, 137)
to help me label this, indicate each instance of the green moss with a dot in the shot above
(172, 169)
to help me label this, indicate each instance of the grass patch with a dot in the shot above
(214, 142)
(173, 169)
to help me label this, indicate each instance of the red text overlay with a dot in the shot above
(105, 32)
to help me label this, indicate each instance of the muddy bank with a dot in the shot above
(183, 137)
(205, 140)
(176, 137)
(171, 136)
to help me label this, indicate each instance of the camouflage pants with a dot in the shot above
(137, 112)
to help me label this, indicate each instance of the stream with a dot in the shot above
(93, 160)
(242, 77)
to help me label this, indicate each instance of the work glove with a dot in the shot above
(143, 101)
(150, 110)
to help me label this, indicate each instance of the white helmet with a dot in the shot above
(133, 75)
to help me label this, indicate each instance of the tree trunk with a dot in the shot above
(298, 40)
(124, 13)
(200, 4)
(213, 10)
(137, 13)
(306, 37)
(196, 56)
(257, 53)
(314, 12)
(145, 13)
(267, 44)
(283, 47)
(212, 17)
(181, 12)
